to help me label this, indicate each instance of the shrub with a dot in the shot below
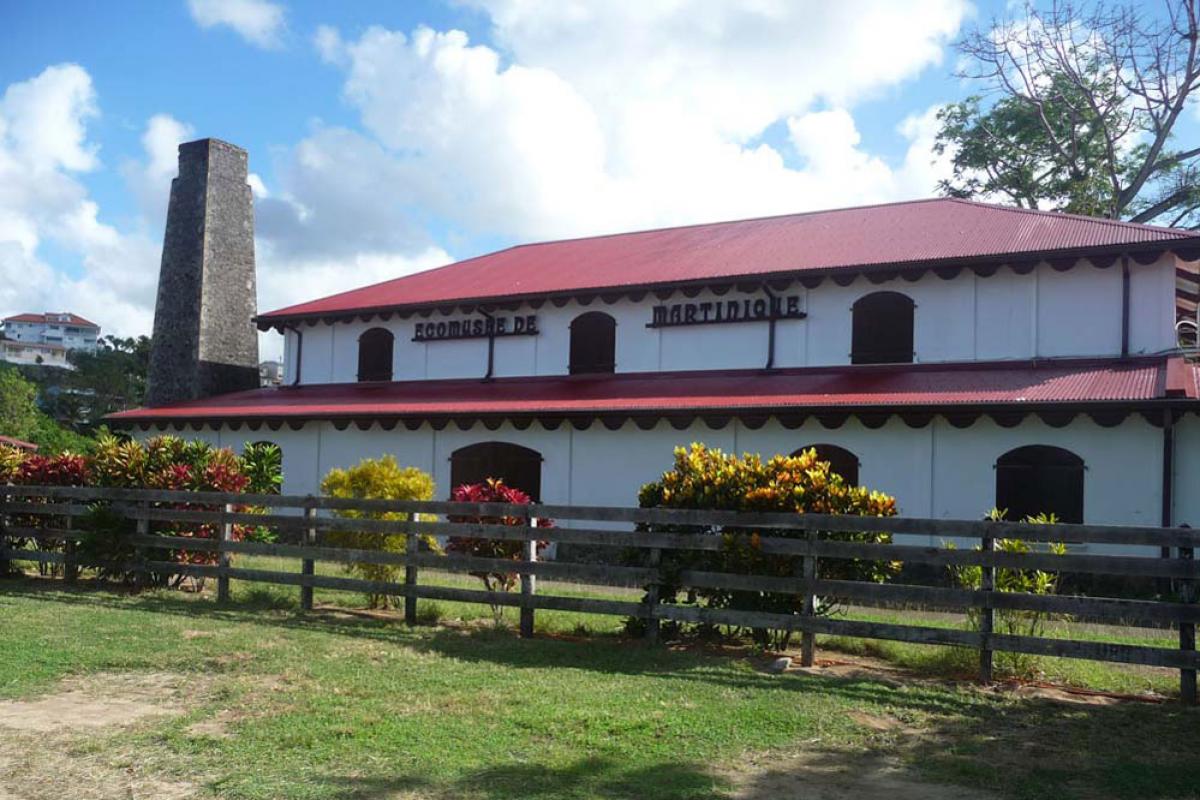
(492, 490)
(706, 478)
(262, 462)
(377, 479)
(163, 462)
(1029, 581)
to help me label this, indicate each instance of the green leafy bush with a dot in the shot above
(163, 462)
(377, 479)
(262, 463)
(706, 478)
(1028, 581)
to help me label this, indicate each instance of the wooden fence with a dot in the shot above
(47, 514)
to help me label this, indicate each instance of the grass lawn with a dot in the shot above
(268, 703)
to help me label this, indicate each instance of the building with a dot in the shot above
(19, 444)
(955, 354)
(61, 329)
(41, 354)
(270, 373)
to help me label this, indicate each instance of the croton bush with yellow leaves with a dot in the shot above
(707, 478)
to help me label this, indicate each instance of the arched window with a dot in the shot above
(1040, 479)
(841, 460)
(517, 466)
(375, 355)
(882, 329)
(593, 343)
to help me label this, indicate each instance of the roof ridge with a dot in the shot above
(1118, 223)
(738, 221)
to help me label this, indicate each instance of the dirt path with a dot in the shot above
(832, 775)
(45, 739)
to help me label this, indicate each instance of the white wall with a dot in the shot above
(937, 471)
(1042, 314)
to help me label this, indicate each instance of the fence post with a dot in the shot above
(5, 565)
(808, 571)
(307, 566)
(70, 565)
(528, 580)
(142, 521)
(225, 535)
(653, 591)
(987, 615)
(1187, 630)
(412, 546)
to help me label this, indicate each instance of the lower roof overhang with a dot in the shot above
(1056, 391)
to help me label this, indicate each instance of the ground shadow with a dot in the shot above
(1026, 748)
(585, 778)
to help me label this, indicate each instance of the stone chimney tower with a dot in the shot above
(205, 342)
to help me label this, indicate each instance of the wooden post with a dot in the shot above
(653, 624)
(987, 619)
(6, 568)
(307, 566)
(226, 533)
(5, 564)
(70, 565)
(1187, 631)
(140, 573)
(528, 581)
(808, 571)
(412, 546)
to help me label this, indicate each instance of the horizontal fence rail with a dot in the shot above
(50, 523)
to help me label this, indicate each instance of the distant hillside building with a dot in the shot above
(34, 354)
(270, 373)
(63, 330)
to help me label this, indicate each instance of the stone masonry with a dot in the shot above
(205, 342)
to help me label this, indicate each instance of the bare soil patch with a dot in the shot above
(95, 701)
(46, 739)
(833, 775)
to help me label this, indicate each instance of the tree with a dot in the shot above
(18, 405)
(1078, 112)
(21, 418)
(111, 379)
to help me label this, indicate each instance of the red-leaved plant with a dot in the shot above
(492, 490)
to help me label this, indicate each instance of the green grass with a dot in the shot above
(334, 705)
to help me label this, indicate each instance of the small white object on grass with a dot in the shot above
(779, 665)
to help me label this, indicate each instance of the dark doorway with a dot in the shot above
(519, 467)
(593, 343)
(1040, 479)
(841, 460)
(375, 355)
(882, 329)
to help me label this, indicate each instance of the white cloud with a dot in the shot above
(257, 21)
(597, 117)
(43, 145)
(149, 179)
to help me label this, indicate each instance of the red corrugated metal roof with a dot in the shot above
(916, 232)
(51, 316)
(1023, 383)
(18, 443)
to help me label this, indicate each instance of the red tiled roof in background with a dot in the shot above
(910, 233)
(50, 317)
(950, 385)
(17, 443)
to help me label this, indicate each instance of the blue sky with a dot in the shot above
(386, 137)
